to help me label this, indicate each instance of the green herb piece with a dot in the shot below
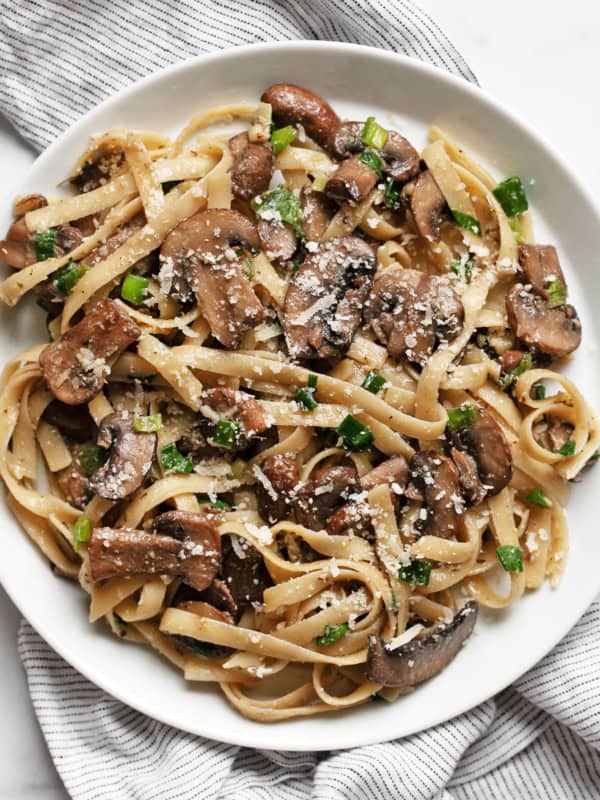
(172, 460)
(371, 159)
(517, 230)
(557, 292)
(331, 634)
(306, 399)
(296, 264)
(466, 221)
(91, 457)
(463, 267)
(416, 573)
(281, 137)
(45, 244)
(66, 277)
(226, 433)
(392, 194)
(537, 497)
(539, 391)
(312, 381)
(460, 417)
(238, 468)
(250, 271)
(510, 557)
(524, 364)
(511, 196)
(373, 382)
(373, 135)
(220, 504)
(148, 424)
(319, 183)
(133, 289)
(280, 204)
(393, 603)
(356, 436)
(82, 530)
(568, 448)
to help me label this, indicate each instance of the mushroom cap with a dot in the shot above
(293, 105)
(317, 210)
(400, 159)
(352, 181)
(318, 498)
(553, 331)
(541, 267)
(274, 495)
(246, 578)
(427, 205)
(485, 442)
(252, 166)
(201, 551)
(278, 239)
(434, 480)
(420, 659)
(210, 231)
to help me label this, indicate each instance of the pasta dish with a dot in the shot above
(299, 415)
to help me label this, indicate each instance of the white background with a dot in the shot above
(541, 58)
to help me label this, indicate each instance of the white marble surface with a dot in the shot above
(542, 59)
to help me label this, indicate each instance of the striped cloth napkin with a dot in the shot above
(539, 739)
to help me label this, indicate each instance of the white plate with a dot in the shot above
(358, 81)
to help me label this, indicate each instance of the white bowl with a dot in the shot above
(358, 81)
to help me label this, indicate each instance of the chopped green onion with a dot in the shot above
(372, 160)
(557, 292)
(466, 221)
(539, 391)
(296, 264)
(281, 137)
(312, 381)
(331, 634)
(392, 194)
(460, 417)
(416, 573)
(220, 504)
(319, 183)
(537, 497)
(226, 433)
(148, 424)
(510, 557)
(463, 267)
(238, 468)
(524, 364)
(306, 399)
(373, 135)
(66, 277)
(511, 196)
(517, 230)
(250, 271)
(133, 289)
(393, 603)
(91, 457)
(280, 204)
(373, 382)
(568, 448)
(172, 460)
(82, 530)
(356, 436)
(45, 244)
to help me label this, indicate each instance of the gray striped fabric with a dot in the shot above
(538, 740)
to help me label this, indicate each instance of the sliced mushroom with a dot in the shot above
(75, 367)
(201, 544)
(485, 442)
(129, 458)
(293, 105)
(541, 267)
(276, 482)
(73, 421)
(393, 472)
(316, 213)
(411, 311)
(400, 159)
(192, 553)
(324, 300)
(427, 205)
(278, 240)
(252, 166)
(434, 480)
(420, 659)
(559, 432)
(555, 332)
(347, 139)
(239, 407)
(318, 498)
(510, 360)
(17, 250)
(114, 241)
(74, 484)
(473, 489)
(201, 247)
(352, 181)
(99, 171)
(246, 577)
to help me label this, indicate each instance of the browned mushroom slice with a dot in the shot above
(319, 497)
(324, 300)
(347, 139)
(114, 241)
(74, 484)
(73, 421)
(473, 490)
(245, 574)
(97, 172)
(252, 166)
(293, 105)
(420, 659)
(316, 213)
(559, 432)
(278, 240)
(541, 268)
(484, 440)
(276, 480)
(427, 205)
(17, 250)
(400, 159)
(510, 360)
(201, 247)
(238, 407)
(393, 472)
(129, 458)
(555, 332)
(75, 366)
(410, 311)
(201, 544)
(434, 480)
(352, 181)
